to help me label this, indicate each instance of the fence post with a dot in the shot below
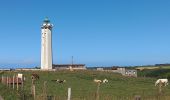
(97, 92)
(2, 79)
(44, 91)
(7, 81)
(160, 87)
(17, 82)
(13, 81)
(54, 98)
(22, 84)
(69, 94)
(34, 91)
(137, 97)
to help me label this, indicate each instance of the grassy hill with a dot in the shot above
(156, 73)
(152, 67)
(83, 87)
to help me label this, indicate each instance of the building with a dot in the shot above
(27, 69)
(46, 45)
(131, 72)
(125, 72)
(6, 69)
(120, 70)
(100, 69)
(69, 67)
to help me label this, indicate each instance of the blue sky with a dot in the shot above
(95, 32)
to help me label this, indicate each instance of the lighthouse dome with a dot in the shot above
(46, 20)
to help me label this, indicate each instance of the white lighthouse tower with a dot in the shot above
(46, 45)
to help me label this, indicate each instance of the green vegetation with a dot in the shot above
(156, 73)
(83, 87)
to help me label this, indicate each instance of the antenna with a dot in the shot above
(72, 60)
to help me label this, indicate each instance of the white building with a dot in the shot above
(69, 67)
(125, 72)
(46, 45)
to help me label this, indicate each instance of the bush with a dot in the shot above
(157, 73)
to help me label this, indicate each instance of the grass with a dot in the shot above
(152, 67)
(83, 87)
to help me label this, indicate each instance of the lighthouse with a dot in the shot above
(46, 45)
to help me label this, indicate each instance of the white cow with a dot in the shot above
(97, 81)
(105, 80)
(61, 81)
(21, 76)
(164, 81)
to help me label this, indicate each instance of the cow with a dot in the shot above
(105, 80)
(59, 81)
(35, 76)
(21, 76)
(163, 81)
(97, 81)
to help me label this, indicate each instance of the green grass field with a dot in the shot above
(83, 87)
(152, 67)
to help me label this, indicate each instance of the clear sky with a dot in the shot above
(95, 32)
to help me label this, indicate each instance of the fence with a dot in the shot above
(90, 97)
(13, 83)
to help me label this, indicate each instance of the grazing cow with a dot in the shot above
(97, 81)
(21, 76)
(13, 80)
(105, 80)
(35, 76)
(164, 81)
(59, 81)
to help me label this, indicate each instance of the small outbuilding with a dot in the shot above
(131, 72)
(69, 66)
(125, 71)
